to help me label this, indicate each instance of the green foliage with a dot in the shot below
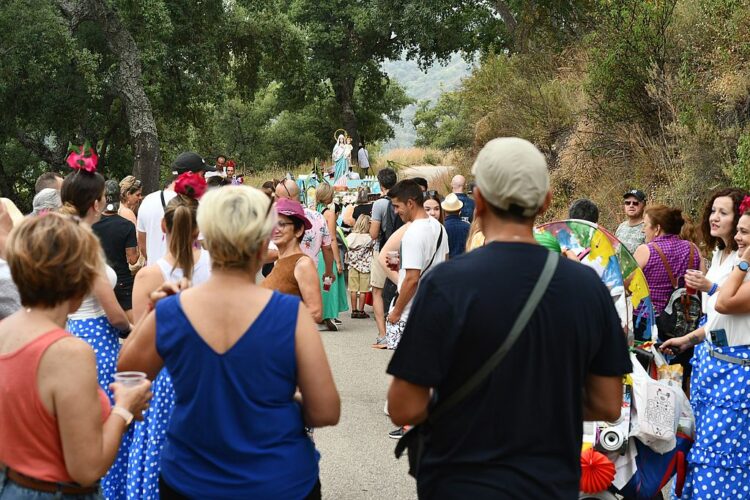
(445, 125)
(630, 39)
(740, 170)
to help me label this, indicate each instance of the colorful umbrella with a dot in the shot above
(601, 250)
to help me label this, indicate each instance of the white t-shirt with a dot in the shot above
(150, 215)
(417, 249)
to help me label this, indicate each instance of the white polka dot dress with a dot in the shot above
(148, 440)
(719, 461)
(105, 340)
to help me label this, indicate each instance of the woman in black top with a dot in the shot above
(118, 239)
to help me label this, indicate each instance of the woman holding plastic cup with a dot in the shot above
(335, 300)
(237, 430)
(58, 433)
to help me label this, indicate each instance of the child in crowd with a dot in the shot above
(359, 260)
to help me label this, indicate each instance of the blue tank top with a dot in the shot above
(235, 431)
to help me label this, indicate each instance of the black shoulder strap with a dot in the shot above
(163, 203)
(437, 249)
(515, 332)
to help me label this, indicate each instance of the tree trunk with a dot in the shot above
(144, 136)
(344, 91)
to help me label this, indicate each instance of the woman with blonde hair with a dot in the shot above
(334, 294)
(185, 259)
(131, 195)
(231, 436)
(58, 433)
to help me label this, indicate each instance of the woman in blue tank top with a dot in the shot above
(237, 428)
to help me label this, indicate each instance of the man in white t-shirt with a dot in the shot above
(424, 246)
(151, 239)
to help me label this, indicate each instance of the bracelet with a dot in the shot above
(713, 289)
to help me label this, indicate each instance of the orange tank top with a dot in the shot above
(281, 278)
(29, 436)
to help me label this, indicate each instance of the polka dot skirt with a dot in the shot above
(719, 461)
(144, 459)
(105, 341)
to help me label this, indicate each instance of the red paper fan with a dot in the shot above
(597, 471)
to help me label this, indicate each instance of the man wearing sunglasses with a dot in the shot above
(630, 232)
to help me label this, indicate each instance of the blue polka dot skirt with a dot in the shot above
(719, 461)
(105, 341)
(144, 458)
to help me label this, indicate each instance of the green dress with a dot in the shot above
(335, 300)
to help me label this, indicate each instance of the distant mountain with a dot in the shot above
(422, 85)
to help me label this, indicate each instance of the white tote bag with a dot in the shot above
(657, 405)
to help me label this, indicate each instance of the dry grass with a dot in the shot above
(410, 157)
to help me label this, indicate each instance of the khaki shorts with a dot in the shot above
(377, 273)
(358, 282)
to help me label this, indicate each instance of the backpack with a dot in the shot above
(683, 310)
(391, 222)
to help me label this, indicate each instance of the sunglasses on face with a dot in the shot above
(632, 203)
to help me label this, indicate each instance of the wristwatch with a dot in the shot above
(743, 266)
(123, 413)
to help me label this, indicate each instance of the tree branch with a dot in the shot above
(506, 14)
(55, 157)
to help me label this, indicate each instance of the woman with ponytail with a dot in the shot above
(100, 320)
(185, 260)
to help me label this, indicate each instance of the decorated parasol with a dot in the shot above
(601, 250)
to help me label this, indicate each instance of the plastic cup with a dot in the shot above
(392, 260)
(130, 379)
(327, 282)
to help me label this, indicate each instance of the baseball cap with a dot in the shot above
(292, 208)
(191, 162)
(639, 195)
(512, 175)
(112, 195)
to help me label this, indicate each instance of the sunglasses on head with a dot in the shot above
(430, 193)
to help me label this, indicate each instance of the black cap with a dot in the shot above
(639, 195)
(191, 162)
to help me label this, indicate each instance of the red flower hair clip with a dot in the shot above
(190, 184)
(745, 205)
(82, 158)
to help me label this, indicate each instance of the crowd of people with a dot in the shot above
(124, 377)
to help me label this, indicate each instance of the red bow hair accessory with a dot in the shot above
(190, 184)
(82, 157)
(745, 205)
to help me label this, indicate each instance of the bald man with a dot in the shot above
(458, 184)
(317, 238)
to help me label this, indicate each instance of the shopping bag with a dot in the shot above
(657, 407)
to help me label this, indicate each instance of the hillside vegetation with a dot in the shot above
(653, 94)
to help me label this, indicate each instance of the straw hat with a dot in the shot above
(451, 203)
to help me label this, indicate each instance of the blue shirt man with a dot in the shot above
(458, 184)
(456, 228)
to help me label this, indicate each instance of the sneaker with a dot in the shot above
(337, 321)
(380, 343)
(397, 433)
(330, 325)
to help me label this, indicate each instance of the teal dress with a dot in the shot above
(340, 168)
(335, 300)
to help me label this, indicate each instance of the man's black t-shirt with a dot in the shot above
(520, 431)
(116, 234)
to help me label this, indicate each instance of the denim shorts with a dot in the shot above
(11, 491)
